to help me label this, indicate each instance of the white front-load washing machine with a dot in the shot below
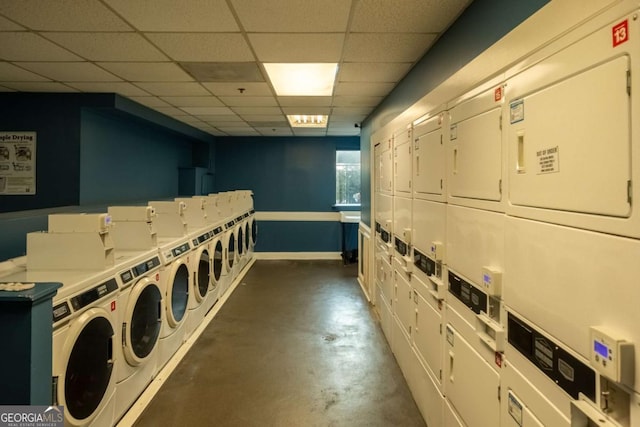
(85, 341)
(174, 247)
(140, 300)
(199, 229)
(218, 276)
(77, 251)
(229, 242)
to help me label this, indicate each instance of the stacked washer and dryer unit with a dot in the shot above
(128, 278)
(506, 239)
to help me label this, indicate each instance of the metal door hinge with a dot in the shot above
(500, 186)
(124, 335)
(629, 82)
(500, 122)
(629, 192)
(499, 389)
(440, 374)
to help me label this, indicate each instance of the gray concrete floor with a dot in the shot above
(295, 345)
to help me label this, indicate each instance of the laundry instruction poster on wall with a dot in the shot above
(17, 163)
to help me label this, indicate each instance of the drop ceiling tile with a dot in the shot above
(174, 89)
(343, 132)
(149, 101)
(386, 47)
(193, 101)
(373, 72)
(108, 46)
(346, 119)
(231, 89)
(407, 16)
(363, 88)
(199, 47)
(297, 47)
(206, 110)
(356, 101)
(63, 15)
(277, 131)
(265, 118)
(122, 88)
(70, 71)
(23, 46)
(220, 118)
(257, 110)
(224, 72)
(348, 111)
(170, 111)
(38, 87)
(147, 71)
(169, 15)
(248, 131)
(221, 124)
(303, 101)
(11, 73)
(191, 120)
(274, 124)
(293, 16)
(306, 110)
(7, 25)
(249, 101)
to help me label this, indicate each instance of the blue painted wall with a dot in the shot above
(482, 24)
(92, 150)
(123, 160)
(287, 174)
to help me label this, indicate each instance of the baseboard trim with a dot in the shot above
(298, 255)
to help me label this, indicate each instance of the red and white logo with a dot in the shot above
(497, 94)
(113, 306)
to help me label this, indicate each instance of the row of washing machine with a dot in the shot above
(506, 240)
(137, 282)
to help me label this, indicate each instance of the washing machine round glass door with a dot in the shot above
(217, 262)
(254, 231)
(89, 367)
(142, 321)
(178, 298)
(240, 241)
(247, 237)
(203, 277)
(231, 252)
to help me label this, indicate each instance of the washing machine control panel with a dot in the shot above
(94, 294)
(145, 267)
(611, 355)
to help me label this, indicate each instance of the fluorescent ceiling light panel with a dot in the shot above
(302, 79)
(308, 121)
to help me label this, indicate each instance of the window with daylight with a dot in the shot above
(348, 177)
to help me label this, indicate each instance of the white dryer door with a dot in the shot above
(87, 377)
(203, 274)
(142, 321)
(177, 297)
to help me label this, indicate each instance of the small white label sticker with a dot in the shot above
(450, 336)
(548, 160)
(515, 409)
(516, 111)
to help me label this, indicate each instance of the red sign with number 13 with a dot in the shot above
(620, 33)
